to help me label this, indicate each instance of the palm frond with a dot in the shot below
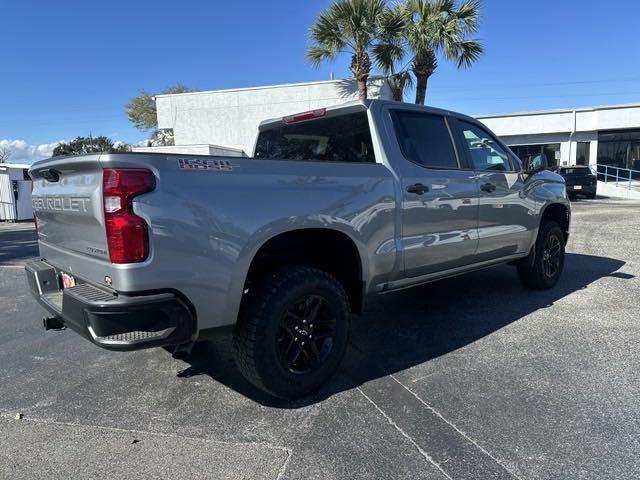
(346, 23)
(393, 22)
(316, 54)
(387, 55)
(468, 16)
(469, 52)
(442, 27)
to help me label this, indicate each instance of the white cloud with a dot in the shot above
(23, 152)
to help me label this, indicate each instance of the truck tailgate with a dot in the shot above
(67, 204)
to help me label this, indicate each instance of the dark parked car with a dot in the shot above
(580, 180)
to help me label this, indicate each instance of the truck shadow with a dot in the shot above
(407, 328)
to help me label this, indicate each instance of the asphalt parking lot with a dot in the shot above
(470, 378)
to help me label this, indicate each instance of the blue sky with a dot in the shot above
(69, 67)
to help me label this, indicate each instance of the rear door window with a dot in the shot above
(425, 139)
(345, 138)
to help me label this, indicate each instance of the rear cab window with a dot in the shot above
(343, 138)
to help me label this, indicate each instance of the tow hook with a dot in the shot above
(182, 352)
(53, 323)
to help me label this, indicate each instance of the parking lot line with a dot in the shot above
(441, 443)
(405, 434)
(80, 447)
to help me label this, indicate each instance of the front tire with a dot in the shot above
(548, 261)
(293, 331)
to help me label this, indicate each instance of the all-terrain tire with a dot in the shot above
(259, 334)
(549, 246)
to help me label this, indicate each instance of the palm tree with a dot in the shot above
(439, 27)
(348, 26)
(391, 49)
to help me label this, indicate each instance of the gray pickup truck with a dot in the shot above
(335, 206)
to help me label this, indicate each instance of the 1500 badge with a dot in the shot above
(204, 164)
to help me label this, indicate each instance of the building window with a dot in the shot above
(582, 153)
(619, 148)
(548, 154)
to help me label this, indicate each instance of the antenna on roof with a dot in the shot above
(330, 75)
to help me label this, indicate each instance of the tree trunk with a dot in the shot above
(423, 67)
(362, 87)
(421, 89)
(396, 92)
(361, 67)
(397, 83)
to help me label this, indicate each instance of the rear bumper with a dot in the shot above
(584, 189)
(110, 319)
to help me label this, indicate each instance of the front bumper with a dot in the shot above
(109, 319)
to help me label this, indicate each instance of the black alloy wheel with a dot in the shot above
(292, 331)
(551, 256)
(543, 268)
(307, 329)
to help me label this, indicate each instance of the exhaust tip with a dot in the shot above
(182, 352)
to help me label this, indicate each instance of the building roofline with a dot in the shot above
(265, 87)
(15, 165)
(190, 145)
(560, 110)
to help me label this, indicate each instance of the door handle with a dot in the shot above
(488, 187)
(418, 189)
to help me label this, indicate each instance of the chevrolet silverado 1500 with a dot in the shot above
(335, 205)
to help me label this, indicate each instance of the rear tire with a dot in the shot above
(292, 331)
(548, 261)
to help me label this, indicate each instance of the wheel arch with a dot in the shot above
(328, 249)
(559, 213)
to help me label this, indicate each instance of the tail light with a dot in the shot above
(127, 233)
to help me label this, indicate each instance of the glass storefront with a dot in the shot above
(619, 148)
(549, 153)
(582, 153)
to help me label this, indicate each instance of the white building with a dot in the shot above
(203, 123)
(15, 192)
(606, 135)
(225, 122)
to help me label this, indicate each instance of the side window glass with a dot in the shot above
(485, 152)
(424, 139)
